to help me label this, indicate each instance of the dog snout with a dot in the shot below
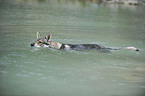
(32, 44)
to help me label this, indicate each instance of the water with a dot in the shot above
(26, 71)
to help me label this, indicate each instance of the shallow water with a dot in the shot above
(27, 71)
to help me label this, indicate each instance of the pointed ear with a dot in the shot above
(48, 37)
(38, 35)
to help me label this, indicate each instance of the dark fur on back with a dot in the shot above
(83, 46)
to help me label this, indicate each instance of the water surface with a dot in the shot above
(27, 71)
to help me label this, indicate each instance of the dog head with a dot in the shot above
(46, 42)
(42, 41)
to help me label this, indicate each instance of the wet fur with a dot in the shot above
(46, 42)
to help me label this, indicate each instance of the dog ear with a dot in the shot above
(48, 37)
(38, 35)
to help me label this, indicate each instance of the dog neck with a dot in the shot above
(55, 45)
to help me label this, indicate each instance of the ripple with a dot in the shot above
(23, 75)
(29, 62)
(142, 86)
(115, 67)
(4, 72)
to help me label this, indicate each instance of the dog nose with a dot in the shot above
(32, 44)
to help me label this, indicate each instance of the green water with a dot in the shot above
(26, 71)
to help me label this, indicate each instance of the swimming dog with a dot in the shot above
(46, 42)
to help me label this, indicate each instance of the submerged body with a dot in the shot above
(46, 42)
(82, 46)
